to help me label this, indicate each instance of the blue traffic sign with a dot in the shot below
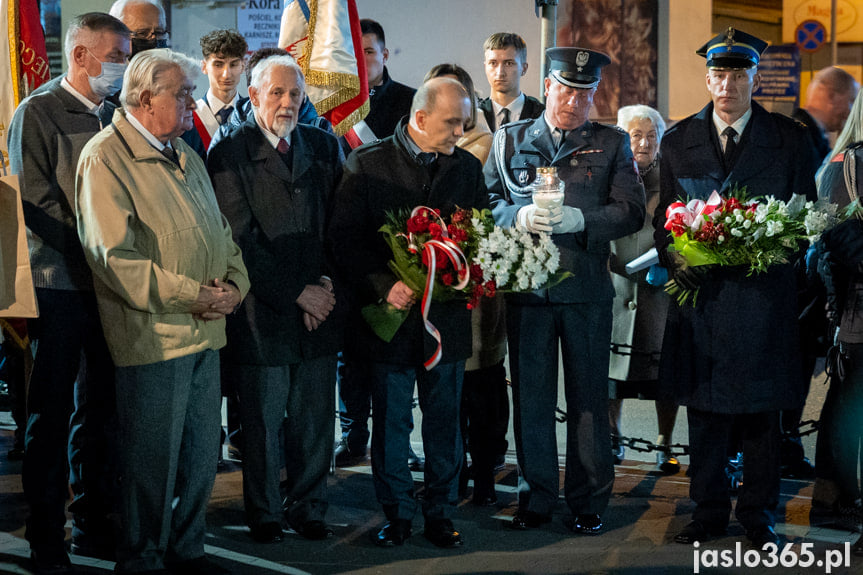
(810, 35)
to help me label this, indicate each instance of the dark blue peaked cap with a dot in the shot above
(733, 49)
(576, 67)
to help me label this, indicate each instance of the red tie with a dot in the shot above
(283, 146)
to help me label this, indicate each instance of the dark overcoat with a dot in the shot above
(737, 349)
(278, 214)
(596, 164)
(386, 176)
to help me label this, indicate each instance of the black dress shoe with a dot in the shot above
(344, 457)
(585, 524)
(696, 531)
(525, 520)
(483, 498)
(761, 536)
(393, 533)
(270, 532)
(47, 561)
(197, 566)
(442, 533)
(314, 530)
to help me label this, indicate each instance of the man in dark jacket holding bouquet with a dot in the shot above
(733, 357)
(418, 165)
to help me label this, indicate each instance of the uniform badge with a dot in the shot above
(581, 60)
(524, 174)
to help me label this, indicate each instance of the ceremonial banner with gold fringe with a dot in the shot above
(325, 38)
(23, 67)
(23, 62)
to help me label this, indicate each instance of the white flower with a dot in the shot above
(736, 233)
(747, 224)
(720, 239)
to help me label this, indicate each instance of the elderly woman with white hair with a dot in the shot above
(166, 272)
(640, 303)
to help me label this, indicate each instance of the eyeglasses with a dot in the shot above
(150, 34)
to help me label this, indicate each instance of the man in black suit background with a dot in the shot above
(505, 61)
(274, 180)
(389, 102)
(733, 358)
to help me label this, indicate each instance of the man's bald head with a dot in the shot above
(829, 97)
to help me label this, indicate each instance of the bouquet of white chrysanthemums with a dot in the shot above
(514, 260)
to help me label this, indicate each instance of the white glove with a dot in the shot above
(533, 219)
(566, 220)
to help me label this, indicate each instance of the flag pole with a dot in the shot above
(547, 12)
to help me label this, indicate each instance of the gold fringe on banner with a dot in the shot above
(13, 28)
(346, 86)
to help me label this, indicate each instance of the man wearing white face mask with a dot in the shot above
(46, 136)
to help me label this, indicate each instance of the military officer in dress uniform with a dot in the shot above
(733, 358)
(604, 200)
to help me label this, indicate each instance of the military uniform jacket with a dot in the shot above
(385, 176)
(278, 213)
(596, 164)
(737, 350)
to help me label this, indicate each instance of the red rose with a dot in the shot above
(441, 259)
(457, 234)
(475, 273)
(418, 224)
(447, 278)
(436, 231)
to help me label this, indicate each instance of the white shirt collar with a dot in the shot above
(151, 139)
(93, 108)
(271, 137)
(738, 126)
(515, 107)
(216, 104)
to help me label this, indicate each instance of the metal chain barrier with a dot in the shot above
(804, 428)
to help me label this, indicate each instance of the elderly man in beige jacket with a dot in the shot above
(166, 272)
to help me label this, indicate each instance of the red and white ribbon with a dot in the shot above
(459, 261)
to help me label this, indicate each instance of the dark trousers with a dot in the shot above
(169, 419)
(439, 397)
(355, 395)
(846, 425)
(72, 379)
(709, 436)
(583, 331)
(482, 414)
(297, 399)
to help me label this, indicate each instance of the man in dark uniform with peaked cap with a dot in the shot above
(733, 357)
(604, 200)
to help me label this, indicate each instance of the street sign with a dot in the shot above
(810, 35)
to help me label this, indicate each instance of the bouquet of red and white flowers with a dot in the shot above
(467, 258)
(756, 233)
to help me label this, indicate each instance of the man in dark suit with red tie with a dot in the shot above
(274, 180)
